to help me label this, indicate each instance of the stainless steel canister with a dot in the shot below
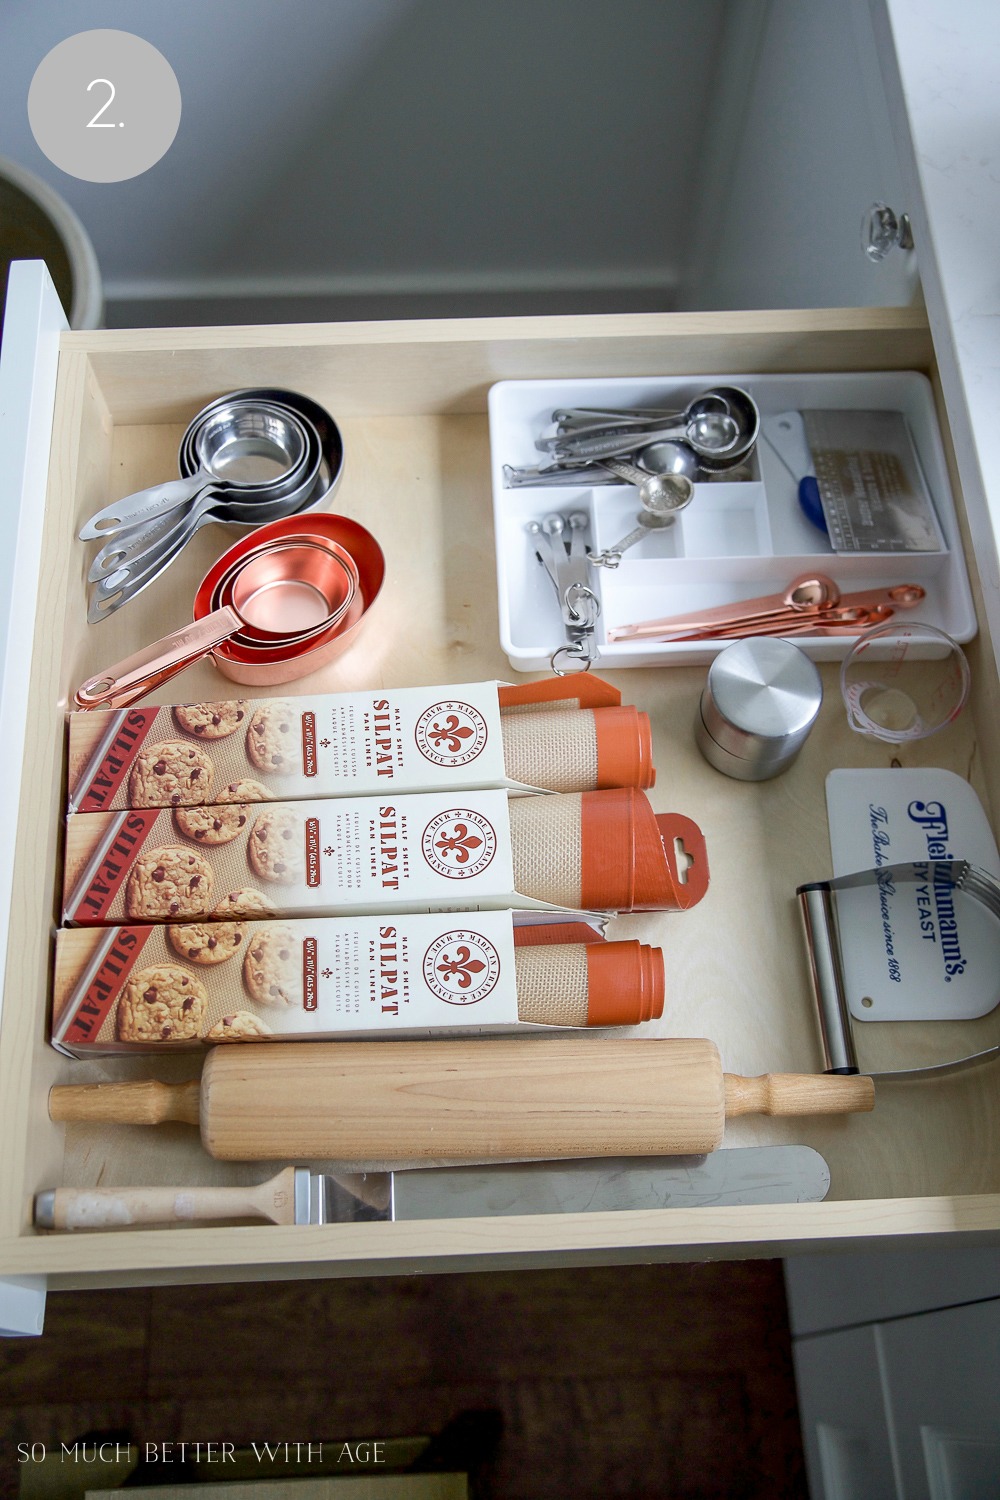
(759, 704)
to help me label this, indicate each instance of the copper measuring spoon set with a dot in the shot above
(812, 604)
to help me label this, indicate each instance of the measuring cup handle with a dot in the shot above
(144, 505)
(131, 679)
(136, 569)
(851, 693)
(125, 547)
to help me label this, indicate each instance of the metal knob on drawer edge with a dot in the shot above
(883, 230)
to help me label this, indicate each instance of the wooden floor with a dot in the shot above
(671, 1382)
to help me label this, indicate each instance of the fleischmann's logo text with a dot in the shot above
(935, 894)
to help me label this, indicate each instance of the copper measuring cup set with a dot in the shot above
(812, 604)
(276, 606)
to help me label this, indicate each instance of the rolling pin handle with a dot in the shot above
(145, 1102)
(798, 1094)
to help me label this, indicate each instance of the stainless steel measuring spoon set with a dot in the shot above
(246, 459)
(715, 433)
(560, 545)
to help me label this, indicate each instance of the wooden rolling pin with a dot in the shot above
(476, 1100)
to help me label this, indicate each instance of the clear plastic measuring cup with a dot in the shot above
(904, 682)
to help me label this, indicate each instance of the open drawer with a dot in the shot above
(411, 398)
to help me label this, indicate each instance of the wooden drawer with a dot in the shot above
(411, 400)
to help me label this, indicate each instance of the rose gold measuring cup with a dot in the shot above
(250, 661)
(277, 598)
(283, 591)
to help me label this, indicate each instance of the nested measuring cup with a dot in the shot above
(251, 662)
(246, 450)
(285, 608)
(281, 595)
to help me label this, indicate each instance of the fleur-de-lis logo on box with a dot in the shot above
(461, 967)
(458, 843)
(451, 734)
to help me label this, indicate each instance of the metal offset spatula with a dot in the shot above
(739, 1175)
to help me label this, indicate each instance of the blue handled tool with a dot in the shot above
(785, 434)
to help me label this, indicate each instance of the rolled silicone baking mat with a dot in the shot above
(469, 1100)
(579, 750)
(606, 851)
(579, 690)
(146, 988)
(325, 744)
(589, 984)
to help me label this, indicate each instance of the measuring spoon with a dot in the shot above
(853, 619)
(662, 497)
(657, 458)
(580, 419)
(713, 434)
(809, 593)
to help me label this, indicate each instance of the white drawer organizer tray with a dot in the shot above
(736, 540)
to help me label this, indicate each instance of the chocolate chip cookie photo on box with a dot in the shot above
(243, 790)
(208, 942)
(170, 774)
(246, 902)
(210, 721)
(272, 969)
(276, 848)
(212, 824)
(163, 1003)
(240, 1027)
(274, 739)
(169, 882)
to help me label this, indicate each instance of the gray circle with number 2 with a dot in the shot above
(104, 105)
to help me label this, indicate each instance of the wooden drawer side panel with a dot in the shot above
(79, 469)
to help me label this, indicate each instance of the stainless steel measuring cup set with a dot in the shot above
(249, 458)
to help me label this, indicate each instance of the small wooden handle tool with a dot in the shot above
(482, 1100)
(111, 1208)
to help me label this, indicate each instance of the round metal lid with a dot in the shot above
(766, 687)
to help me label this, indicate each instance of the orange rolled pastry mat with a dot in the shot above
(578, 690)
(589, 984)
(606, 851)
(579, 749)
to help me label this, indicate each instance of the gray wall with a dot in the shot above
(381, 158)
(343, 153)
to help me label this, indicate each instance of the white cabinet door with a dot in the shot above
(799, 145)
(908, 1409)
(844, 1429)
(841, 1291)
(29, 355)
(941, 1380)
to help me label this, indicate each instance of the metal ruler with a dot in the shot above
(871, 487)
